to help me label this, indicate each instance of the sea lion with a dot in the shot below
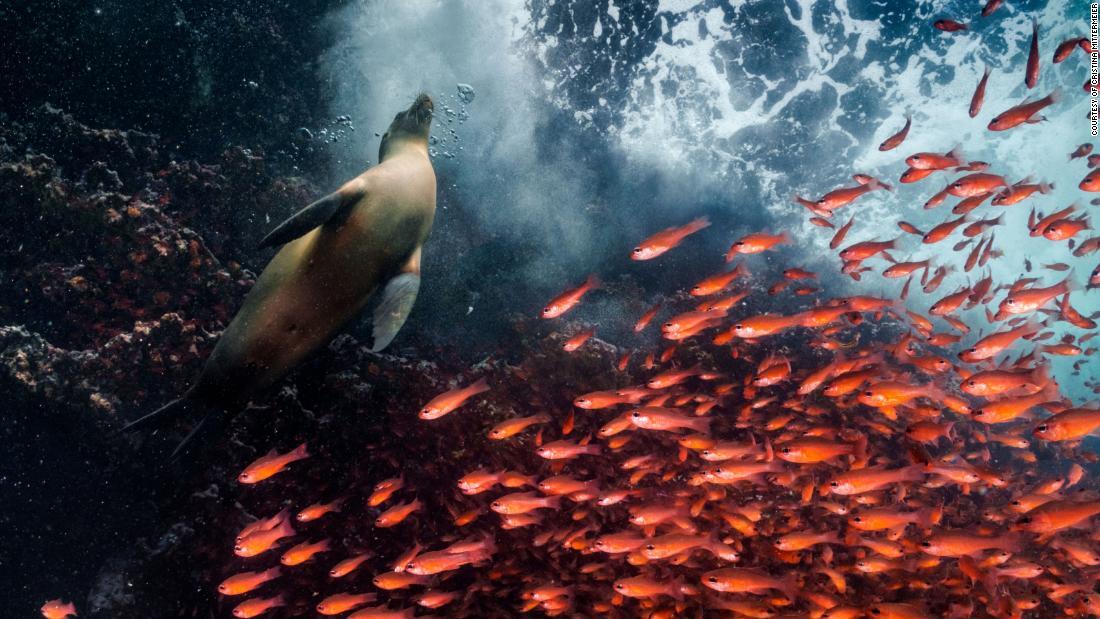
(337, 252)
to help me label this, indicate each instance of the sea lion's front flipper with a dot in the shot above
(396, 303)
(316, 214)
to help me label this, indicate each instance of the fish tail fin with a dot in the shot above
(957, 154)
(480, 386)
(875, 183)
(699, 223)
(300, 452)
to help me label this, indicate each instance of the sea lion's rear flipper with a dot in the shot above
(332, 207)
(395, 303)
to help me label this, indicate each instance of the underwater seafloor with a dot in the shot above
(147, 147)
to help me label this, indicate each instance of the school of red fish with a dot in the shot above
(937, 474)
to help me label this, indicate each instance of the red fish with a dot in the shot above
(756, 243)
(666, 239)
(1023, 113)
(570, 298)
(978, 97)
(1031, 78)
(270, 464)
(949, 25)
(447, 402)
(895, 140)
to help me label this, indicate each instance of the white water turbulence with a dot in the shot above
(595, 121)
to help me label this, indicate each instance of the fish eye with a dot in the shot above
(238, 547)
(496, 504)
(637, 250)
(635, 414)
(1043, 428)
(619, 586)
(332, 573)
(786, 450)
(1010, 301)
(650, 547)
(926, 544)
(1024, 520)
(876, 611)
(738, 327)
(1015, 501)
(868, 393)
(712, 579)
(834, 484)
(739, 243)
(718, 470)
(971, 383)
(546, 310)
(857, 519)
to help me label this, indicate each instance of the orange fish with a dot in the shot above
(861, 481)
(257, 606)
(578, 340)
(397, 514)
(756, 243)
(978, 97)
(343, 602)
(895, 140)
(717, 283)
(1023, 113)
(935, 161)
(1027, 300)
(978, 183)
(749, 580)
(244, 582)
(348, 565)
(1070, 424)
(1031, 77)
(318, 510)
(304, 552)
(56, 609)
(954, 544)
(658, 418)
(570, 298)
(261, 541)
(384, 489)
(446, 403)
(512, 427)
(270, 464)
(667, 239)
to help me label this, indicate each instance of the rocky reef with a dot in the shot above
(119, 267)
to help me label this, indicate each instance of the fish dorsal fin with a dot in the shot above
(332, 207)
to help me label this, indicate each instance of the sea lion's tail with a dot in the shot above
(203, 418)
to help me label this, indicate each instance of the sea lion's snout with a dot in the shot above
(413, 123)
(422, 108)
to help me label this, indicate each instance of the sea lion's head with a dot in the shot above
(409, 125)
